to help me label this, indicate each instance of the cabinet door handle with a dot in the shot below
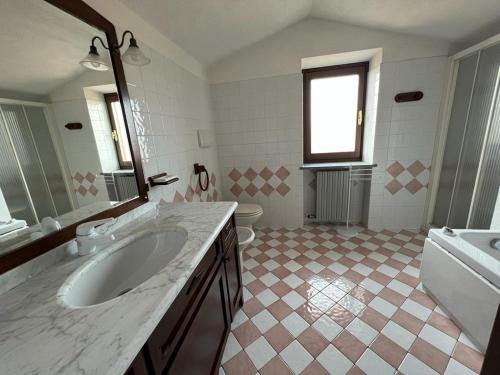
(193, 282)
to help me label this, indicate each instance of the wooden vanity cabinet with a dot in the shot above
(191, 337)
(233, 275)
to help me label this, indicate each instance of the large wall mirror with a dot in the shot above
(67, 143)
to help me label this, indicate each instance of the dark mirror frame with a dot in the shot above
(18, 256)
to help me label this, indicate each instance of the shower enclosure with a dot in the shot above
(31, 178)
(470, 172)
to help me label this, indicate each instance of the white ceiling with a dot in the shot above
(213, 29)
(41, 47)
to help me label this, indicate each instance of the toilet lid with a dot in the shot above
(248, 209)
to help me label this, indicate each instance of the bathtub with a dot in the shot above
(462, 273)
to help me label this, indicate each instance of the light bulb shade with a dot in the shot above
(94, 61)
(134, 56)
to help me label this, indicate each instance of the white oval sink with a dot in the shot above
(111, 274)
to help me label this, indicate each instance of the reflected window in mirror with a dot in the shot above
(118, 130)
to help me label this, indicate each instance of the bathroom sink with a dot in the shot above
(111, 274)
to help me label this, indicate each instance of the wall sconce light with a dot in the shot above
(132, 56)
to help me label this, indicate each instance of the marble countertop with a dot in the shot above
(39, 335)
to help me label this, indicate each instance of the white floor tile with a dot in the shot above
(296, 357)
(239, 319)
(248, 277)
(456, 368)
(371, 285)
(291, 253)
(416, 309)
(352, 304)
(391, 246)
(382, 306)
(333, 255)
(251, 263)
(334, 293)
(315, 267)
(293, 281)
(272, 253)
(260, 352)
(362, 331)
(334, 361)
(378, 257)
(269, 279)
(412, 366)
(438, 338)
(311, 254)
(322, 302)
(362, 269)
(412, 271)
(357, 257)
(293, 299)
(338, 268)
(387, 270)
(264, 321)
(371, 363)
(402, 258)
(343, 283)
(327, 327)
(295, 324)
(253, 252)
(399, 335)
(232, 348)
(270, 264)
(292, 266)
(267, 297)
(400, 287)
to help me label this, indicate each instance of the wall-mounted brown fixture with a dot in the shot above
(162, 179)
(73, 125)
(199, 169)
(411, 96)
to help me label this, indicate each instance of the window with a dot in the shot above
(334, 100)
(119, 131)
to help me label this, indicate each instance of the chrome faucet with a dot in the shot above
(91, 236)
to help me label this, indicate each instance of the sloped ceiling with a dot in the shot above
(41, 47)
(213, 29)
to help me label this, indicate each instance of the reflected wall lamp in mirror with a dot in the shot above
(132, 56)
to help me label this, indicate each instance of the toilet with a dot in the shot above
(247, 214)
(245, 237)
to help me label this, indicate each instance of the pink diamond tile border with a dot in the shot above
(236, 190)
(395, 169)
(234, 175)
(394, 186)
(413, 173)
(266, 173)
(282, 173)
(250, 174)
(85, 184)
(90, 177)
(78, 177)
(416, 168)
(93, 190)
(244, 181)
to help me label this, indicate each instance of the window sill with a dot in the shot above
(337, 165)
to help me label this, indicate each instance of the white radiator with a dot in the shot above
(332, 190)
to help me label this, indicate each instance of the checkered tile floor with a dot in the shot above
(319, 304)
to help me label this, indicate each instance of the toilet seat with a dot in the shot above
(248, 210)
